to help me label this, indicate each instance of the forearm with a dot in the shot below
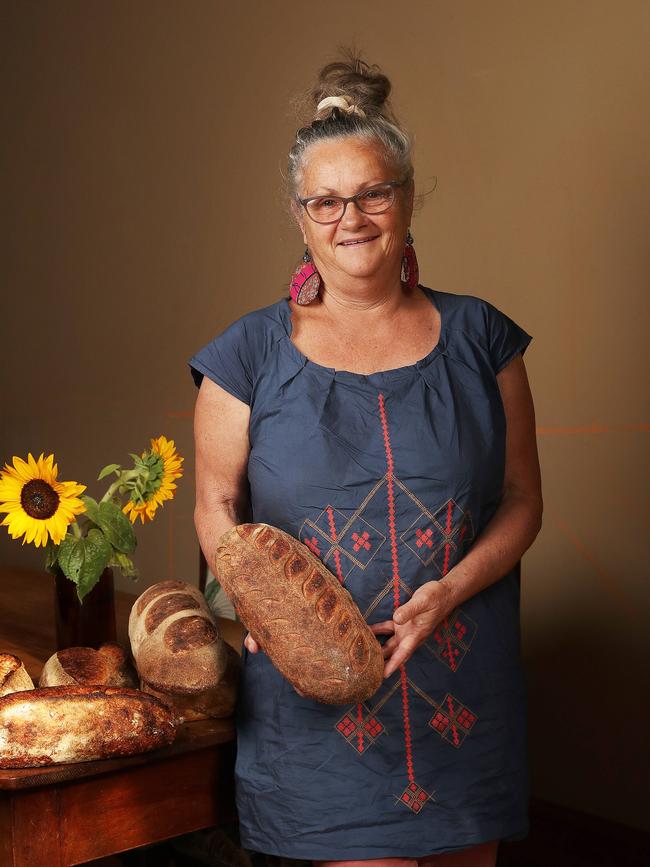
(213, 520)
(510, 532)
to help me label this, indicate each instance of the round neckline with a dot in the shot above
(430, 294)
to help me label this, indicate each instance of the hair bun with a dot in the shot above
(365, 88)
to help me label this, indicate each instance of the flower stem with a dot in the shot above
(121, 479)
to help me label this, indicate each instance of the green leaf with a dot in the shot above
(108, 469)
(117, 527)
(91, 509)
(84, 560)
(125, 564)
(51, 556)
(211, 590)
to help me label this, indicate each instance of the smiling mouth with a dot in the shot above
(357, 242)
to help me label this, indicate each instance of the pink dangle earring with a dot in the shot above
(410, 270)
(305, 281)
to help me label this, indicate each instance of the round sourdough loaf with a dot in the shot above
(300, 615)
(175, 641)
(85, 666)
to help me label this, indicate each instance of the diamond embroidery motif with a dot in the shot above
(453, 721)
(360, 727)
(414, 797)
(361, 541)
(424, 538)
(452, 638)
(320, 544)
(436, 538)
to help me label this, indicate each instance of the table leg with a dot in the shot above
(30, 829)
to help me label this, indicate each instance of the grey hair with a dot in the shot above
(366, 90)
(393, 141)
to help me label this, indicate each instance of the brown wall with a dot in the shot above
(142, 212)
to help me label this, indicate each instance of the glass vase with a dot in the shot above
(84, 624)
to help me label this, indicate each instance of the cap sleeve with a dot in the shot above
(226, 361)
(505, 338)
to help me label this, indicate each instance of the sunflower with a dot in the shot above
(38, 507)
(159, 467)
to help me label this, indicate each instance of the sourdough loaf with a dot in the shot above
(299, 614)
(13, 675)
(85, 667)
(211, 703)
(62, 724)
(175, 641)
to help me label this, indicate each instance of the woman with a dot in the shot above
(390, 428)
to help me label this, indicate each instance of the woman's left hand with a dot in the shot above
(413, 623)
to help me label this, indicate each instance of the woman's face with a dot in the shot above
(364, 246)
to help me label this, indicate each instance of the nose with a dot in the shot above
(352, 217)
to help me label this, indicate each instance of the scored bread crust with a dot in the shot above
(85, 666)
(175, 641)
(300, 615)
(62, 724)
(13, 675)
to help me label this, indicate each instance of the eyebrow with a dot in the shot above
(328, 191)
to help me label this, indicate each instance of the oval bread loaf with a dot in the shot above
(300, 615)
(80, 724)
(174, 639)
(13, 675)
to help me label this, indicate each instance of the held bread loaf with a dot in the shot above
(62, 724)
(295, 608)
(84, 666)
(175, 641)
(13, 675)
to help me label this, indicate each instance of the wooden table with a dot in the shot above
(68, 814)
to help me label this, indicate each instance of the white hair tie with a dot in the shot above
(341, 102)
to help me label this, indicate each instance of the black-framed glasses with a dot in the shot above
(372, 200)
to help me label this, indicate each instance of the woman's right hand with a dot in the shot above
(250, 644)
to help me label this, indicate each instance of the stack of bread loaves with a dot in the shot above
(86, 706)
(72, 722)
(179, 654)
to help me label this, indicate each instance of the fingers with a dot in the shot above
(250, 644)
(386, 627)
(402, 614)
(399, 657)
(418, 603)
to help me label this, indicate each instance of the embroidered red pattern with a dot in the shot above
(337, 557)
(414, 796)
(312, 544)
(361, 727)
(346, 540)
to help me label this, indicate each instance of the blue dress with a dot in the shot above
(389, 478)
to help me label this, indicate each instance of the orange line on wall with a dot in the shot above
(170, 543)
(607, 580)
(594, 427)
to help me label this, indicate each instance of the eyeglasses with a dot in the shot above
(373, 200)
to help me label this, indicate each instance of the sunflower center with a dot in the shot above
(39, 499)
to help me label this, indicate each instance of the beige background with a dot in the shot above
(142, 211)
